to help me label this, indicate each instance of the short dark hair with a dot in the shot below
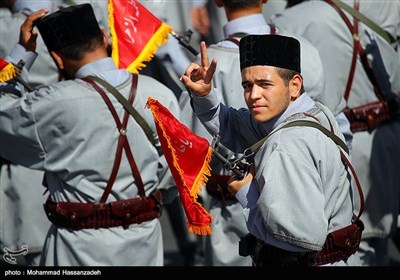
(240, 4)
(78, 50)
(287, 75)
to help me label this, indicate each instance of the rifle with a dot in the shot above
(185, 41)
(237, 166)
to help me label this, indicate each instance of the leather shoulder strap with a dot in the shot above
(123, 144)
(368, 22)
(139, 119)
(358, 49)
(253, 149)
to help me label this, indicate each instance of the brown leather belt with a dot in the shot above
(367, 117)
(74, 215)
(217, 187)
(339, 245)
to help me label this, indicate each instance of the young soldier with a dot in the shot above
(298, 190)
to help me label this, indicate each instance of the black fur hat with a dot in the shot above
(68, 26)
(272, 50)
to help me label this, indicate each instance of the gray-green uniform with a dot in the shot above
(300, 191)
(22, 219)
(221, 248)
(375, 154)
(67, 131)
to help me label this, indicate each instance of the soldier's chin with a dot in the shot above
(259, 118)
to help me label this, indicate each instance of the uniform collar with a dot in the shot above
(252, 24)
(104, 68)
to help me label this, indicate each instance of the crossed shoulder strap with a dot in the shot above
(123, 144)
(128, 107)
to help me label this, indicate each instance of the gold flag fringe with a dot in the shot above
(113, 33)
(199, 183)
(7, 73)
(199, 230)
(159, 38)
(203, 176)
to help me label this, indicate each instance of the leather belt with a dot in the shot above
(266, 255)
(74, 215)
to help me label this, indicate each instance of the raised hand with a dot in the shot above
(198, 78)
(28, 35)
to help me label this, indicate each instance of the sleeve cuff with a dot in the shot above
(20, 53)
(241, 195)
(203, 104)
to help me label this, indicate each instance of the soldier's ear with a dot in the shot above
(295, 85)
(57, 58)
(105, 36)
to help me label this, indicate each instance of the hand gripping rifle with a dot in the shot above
(237, 166)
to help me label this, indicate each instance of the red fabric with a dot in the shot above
(3, 63)
(7, 71)
(136, 33)
(188, 156)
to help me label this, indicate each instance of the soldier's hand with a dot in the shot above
(198, 78)
(234, 185)
(28, 35)
(200, 20)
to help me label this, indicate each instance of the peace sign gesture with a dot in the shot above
(197, 78)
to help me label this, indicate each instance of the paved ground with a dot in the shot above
(173, 256)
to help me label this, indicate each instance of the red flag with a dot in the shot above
(136, 34)
(7, 71)
(188, 156)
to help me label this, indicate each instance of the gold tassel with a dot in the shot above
(203, 176)
(159, 38)
(200, 230)
(7, 73)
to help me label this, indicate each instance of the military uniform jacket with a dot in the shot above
(227, 79)
(375, 153)
(300, 191)
(67, 130)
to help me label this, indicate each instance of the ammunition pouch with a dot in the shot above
(340, 244)
(367, 117)
(74, 215)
